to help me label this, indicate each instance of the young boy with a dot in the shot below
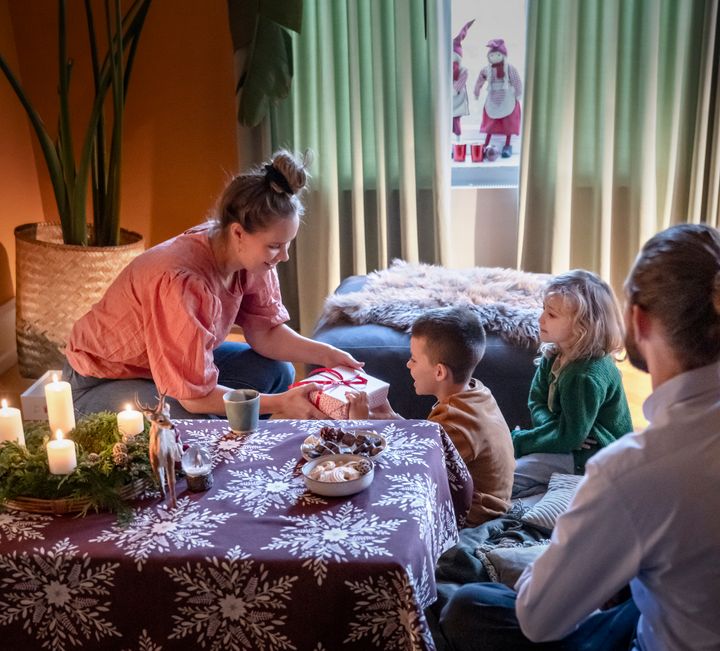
(446, 345)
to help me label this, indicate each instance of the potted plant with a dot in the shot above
(63, 269)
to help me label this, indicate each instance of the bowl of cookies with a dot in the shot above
(338, 475)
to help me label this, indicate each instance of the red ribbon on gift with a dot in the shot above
(339, 381)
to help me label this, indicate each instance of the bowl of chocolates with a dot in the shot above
(334, 440)
(337, 475)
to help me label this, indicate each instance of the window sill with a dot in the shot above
(500, 173)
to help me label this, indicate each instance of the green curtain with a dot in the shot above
(620, 132)
(370, 98)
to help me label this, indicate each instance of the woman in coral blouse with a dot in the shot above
(161, 326)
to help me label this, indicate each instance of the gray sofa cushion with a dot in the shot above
(506, 369)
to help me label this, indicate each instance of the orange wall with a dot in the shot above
(179, 129)
(19, 196)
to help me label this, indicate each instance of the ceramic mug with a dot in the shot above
(242, 407)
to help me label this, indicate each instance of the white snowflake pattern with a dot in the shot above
(457, 471)
(311, 426)
(163, 528)
(351, 532)
(145, 643)
(236, 553)
(417, 495)
(231, 605)
(18, 525)
(390, 610)
(447, 529)
(406, 449)
(58, 595)
(231, 447)
(258, 489)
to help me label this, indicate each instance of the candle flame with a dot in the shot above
(59, 435)
(128, 407)
(55, 378)
(4, 404)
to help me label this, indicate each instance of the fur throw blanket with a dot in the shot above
(508, 302)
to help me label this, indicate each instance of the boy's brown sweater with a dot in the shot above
(473, 421)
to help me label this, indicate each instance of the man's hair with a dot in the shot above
(453, 336)
(676, 279)
(596, 320)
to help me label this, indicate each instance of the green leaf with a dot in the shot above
(268, 73)
(242, 16)
(70, 178)
(287, 13)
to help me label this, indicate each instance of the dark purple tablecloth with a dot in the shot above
(255, 563)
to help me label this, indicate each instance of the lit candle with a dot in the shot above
(61, 455)
(130, 422)
(58, 397)
(11, 427)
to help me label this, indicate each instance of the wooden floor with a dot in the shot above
(636, 383)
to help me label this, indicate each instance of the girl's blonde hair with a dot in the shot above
(596, 319)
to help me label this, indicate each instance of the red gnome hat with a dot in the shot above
(457, 41)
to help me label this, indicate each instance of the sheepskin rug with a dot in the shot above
(508, 302)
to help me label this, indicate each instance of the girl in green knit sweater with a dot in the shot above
(577, 401)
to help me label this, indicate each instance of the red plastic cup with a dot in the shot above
(476, 153)
(459, 152)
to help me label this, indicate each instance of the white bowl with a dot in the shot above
(339, 488)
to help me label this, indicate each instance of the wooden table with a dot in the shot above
(256, 562)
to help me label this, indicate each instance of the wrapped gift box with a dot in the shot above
(338, 381)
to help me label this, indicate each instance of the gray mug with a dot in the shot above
(242, 407)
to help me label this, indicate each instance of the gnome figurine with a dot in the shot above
(501, 113)
(460, 104)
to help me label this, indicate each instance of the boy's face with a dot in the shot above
(421, 368)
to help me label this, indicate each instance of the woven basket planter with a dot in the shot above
(56, 284)
(70, 505)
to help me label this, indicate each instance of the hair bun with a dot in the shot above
(286, 173)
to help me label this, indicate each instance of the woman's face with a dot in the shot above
(260, 251)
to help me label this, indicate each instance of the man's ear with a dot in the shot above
(640, 322)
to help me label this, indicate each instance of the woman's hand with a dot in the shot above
(295, 403)
(333, 357)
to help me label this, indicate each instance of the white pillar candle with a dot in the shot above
(61, 455)
(130, 422)
(11, 427)
(58, 397)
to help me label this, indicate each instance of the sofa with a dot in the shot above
(506, 369)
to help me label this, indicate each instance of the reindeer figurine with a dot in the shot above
(164, 449)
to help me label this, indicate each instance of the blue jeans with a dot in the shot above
(481, 617)
(239, 367)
